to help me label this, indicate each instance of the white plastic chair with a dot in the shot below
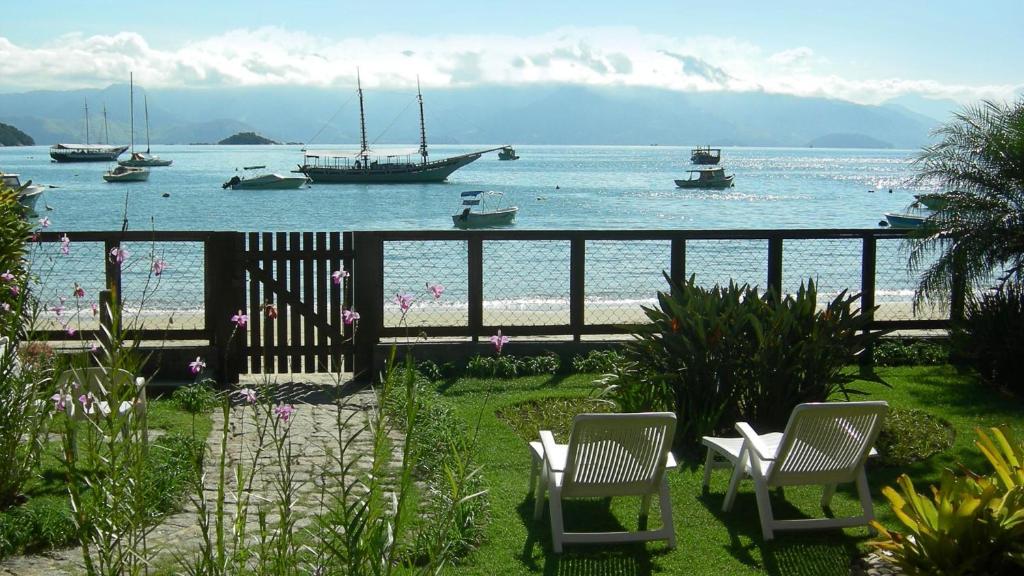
(824, 443)
(95, 380)
(607, 455)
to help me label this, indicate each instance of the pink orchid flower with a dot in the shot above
(240, 320)
(65, 245)
(338, 275)
(404, 301)
(159, 265)
(79, 291)
(499, 341)
(94, 348)
(196, 366)
(95, 308)
(5, 307)
(60, 401)
(57, 309)
(70, 330)
(349, 316)
(44, 222)
(284, 411)
(436, 290)
(7, 276)
(248, 394)
(15, 290)
(119, 255)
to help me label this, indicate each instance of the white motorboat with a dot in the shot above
(270, 181)
(28, 193)
(484, 209)
(931, 201)
(905, 220)
(707, 178)
(126, 174)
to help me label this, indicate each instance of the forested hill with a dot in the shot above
(11, 136)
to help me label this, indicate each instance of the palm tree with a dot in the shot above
(978, 236)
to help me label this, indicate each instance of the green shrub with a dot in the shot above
(717, 356)
(991, 335)
(436, 372)
(40, 524)
(910, 352)
(909, 436)
(509, 366)
(597, 361)
(972, 524)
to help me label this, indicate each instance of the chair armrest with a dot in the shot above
(547, 439)
(140, 382)
(754, 441)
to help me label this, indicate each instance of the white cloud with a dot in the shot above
(591, 56)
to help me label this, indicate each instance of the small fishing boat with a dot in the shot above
(28, 193)
(931, 201)
(707, 178)
(126, 174)
(264, 181)
(484, 209)
(905, 220)
(705, 155)
(507, 153)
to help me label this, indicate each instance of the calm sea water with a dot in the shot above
(555, 187)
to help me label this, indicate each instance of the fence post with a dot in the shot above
(869, 257)
(957, 295)
(368, 300)
(112, 272)
(677, 261)
(225, 296)
(775, 265)
(475, 280)
(106, 320)
(577, 279)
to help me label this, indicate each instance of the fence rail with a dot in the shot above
(568, 283)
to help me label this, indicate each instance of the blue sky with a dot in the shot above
(864, 51)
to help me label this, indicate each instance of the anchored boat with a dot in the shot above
(507, 153)
(265, 181)
(714, 178)
(27, 194)
(905, 220)
(145, 159)
(86, 152)
(484, 209)
(705, 155)
(124, 173)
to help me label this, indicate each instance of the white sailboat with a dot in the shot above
(128, 173)
(145, 159)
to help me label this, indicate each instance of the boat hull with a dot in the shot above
(430, 172)
(932, 201)
(69, 154)
(503, 217)
(282, 184)
(135, 175)
(705, 184)
(145, 163)
(904, 220)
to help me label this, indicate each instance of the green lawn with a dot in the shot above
(709, 541)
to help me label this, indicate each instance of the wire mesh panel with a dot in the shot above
(622, 276)
(719, 261)
(57, 269)
(526, 283)
(895, 284)
(412, 269)
(833, 263)
(162, 285)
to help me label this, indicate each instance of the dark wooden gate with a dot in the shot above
(292, 272)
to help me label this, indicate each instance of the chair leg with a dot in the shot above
(557, 526)
(865, 499)
(734, 482)
(538, 500)
(708, 462)
(828, 490)
(645, 507)
(764, 508)
(534, 472)
(666, 513)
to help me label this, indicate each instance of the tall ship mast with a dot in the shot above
(87, 152)
(386, 167)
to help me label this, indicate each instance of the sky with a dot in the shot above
(866, 51)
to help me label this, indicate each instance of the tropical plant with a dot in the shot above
(990, 336)
(972, 524)
(978, 236)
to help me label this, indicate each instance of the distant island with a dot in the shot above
(838, 140)
(11, 136)
(246, 138)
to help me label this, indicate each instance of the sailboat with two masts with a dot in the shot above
(127, 173)
(386, 167)
(86, 152)
(145, 159)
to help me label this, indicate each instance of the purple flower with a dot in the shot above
(404, 301)
(79, 291)
(159, 265)
(7, 276)
(248, 394)
(94, 348)
(240, 320)
(65, 245)
(436, 290)
(95, 309)
(86, 400)
(60, 401)
(5, 307)
(349, 316)
(15, 289)
(70, 330)
(119, 255)
(284, 411)
(57, 309)
(44, 222)
(499, 341)
(338, 275)
(196, 366)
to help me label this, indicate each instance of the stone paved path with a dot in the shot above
(314, 434)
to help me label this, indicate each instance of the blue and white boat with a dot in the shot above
(904, 220)
(484, 209)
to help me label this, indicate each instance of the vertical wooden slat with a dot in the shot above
(677, 264)
(347, 301)
(308, 270)
(295, 256)
(283, 320)
(775, 264)
(224, 294)
(322, 278)
(334, 311)
(255, 357)
(268, 329)
(113, 276)
(867, 288)
(577, 279)
(368, 298)
(475, 267)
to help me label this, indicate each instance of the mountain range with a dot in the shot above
(551, 114)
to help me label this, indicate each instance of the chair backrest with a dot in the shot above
(617, 454)
(98, 381)
(826, 443)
